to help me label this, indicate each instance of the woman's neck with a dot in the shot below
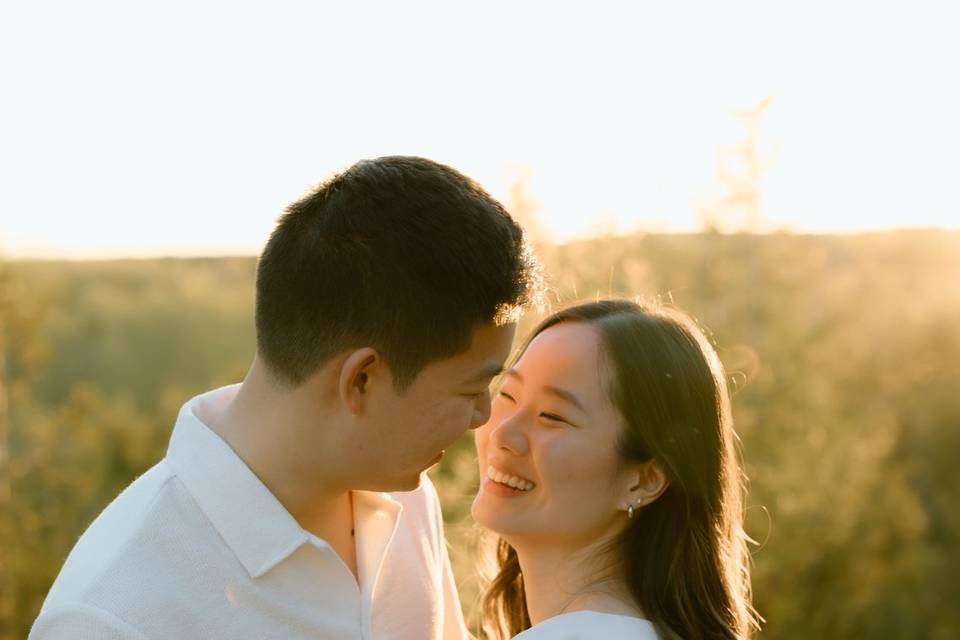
(560, 580)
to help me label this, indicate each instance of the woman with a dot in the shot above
(610, 474)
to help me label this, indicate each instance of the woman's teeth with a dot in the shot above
(511, 481)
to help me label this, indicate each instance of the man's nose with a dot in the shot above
(481, 412)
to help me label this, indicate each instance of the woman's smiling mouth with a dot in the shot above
(508, 480)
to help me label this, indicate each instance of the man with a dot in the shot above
(385, 305)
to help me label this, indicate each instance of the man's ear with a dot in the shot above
(647, 482)
(356, 372)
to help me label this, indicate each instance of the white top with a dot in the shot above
(198, 547)
(590, 625)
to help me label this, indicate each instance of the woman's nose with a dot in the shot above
(509, 434)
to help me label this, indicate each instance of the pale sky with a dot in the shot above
(184, 128)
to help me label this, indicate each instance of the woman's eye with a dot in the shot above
(504, 394)
(553, 417)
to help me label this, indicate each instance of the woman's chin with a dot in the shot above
(481, 514)
(492, 519)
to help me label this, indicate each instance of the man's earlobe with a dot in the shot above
(354, 382)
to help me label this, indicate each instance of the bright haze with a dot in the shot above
(184, 128)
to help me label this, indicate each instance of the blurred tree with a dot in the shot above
(737, 204)
(97, 359)
(22, 354)
(843, 352)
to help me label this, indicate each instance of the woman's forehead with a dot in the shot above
(569, 357)
(567, 351)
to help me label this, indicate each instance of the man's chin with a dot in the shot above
(436, 460)
(407, 483)
(414, 483)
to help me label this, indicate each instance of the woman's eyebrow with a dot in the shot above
(557, 391)
(566, 395)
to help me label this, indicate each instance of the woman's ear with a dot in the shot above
(355, 376)
(647, 482)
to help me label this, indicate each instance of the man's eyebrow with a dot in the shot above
(487, 373)
(560, 393)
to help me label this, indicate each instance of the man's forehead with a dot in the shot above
(491, 346)
(484, 358)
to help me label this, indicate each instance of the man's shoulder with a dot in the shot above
(81, 621)
(107, 535)
(142, 532)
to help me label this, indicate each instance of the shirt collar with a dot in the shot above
(253, 523)
(376, 517)
(257, 528)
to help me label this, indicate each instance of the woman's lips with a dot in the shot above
(489, 486)
(510, 479)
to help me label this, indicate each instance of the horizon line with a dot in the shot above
(238, 252)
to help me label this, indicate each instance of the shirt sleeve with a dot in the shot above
(454, 626)
(81, 622)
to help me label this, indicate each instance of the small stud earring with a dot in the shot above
(630, 511)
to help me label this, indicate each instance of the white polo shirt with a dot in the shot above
(198, 547)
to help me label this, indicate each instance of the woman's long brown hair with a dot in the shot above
(684, 556)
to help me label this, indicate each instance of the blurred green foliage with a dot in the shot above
(843, 353)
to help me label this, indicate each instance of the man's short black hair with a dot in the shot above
(401, 254)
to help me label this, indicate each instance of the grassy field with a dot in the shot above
(843, 353)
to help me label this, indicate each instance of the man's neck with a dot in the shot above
(265, 434)
(560, 579)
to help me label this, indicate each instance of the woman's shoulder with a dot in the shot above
(590, 625)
